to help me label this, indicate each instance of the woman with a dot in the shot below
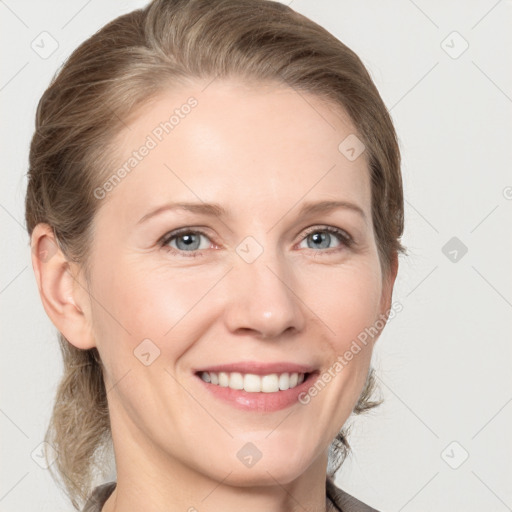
(215, 210)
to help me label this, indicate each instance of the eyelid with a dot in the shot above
(344, 236)
(167, 237)
(164, 241)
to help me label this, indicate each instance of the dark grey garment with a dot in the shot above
(342, 501)
(98, 497)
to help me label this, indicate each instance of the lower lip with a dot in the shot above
(260, 402)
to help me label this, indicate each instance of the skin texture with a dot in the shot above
(261, 153)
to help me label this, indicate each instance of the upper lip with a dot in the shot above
(259, 368)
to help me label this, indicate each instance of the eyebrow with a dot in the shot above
(211, 209)
(216, 210)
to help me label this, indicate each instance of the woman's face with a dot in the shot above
(252, 278)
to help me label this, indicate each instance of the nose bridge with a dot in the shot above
(263, 299)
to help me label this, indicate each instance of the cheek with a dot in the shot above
(346, 299)
(348, 305)
(170, 307)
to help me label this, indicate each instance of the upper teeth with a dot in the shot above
(254, 383)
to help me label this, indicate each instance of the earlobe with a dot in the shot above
(64, 298)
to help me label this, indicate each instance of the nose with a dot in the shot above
(262, 300)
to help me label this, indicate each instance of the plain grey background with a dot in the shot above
(441, 440)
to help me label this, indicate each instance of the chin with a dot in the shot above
(281, 465)
(264, 476)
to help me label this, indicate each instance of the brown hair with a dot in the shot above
(120, 68)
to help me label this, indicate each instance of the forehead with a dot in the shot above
(255, 145)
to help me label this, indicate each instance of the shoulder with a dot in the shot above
(98, 497)
(344, 501)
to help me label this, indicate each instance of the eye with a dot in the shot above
(326, 237)
(186, 240)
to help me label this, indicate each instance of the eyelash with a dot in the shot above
(344, 238)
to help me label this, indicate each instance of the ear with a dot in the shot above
(388, 284)
(65, 299)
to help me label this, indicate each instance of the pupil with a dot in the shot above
(188, 241)
(321, 239)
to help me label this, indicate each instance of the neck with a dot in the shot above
(148, 479)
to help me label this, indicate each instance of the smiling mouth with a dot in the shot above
(252, 383)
